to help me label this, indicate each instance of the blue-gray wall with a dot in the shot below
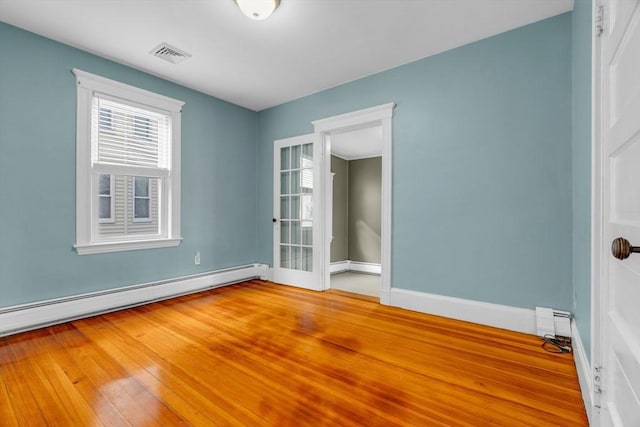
(37, 178)
(482, 204)
(581, 162)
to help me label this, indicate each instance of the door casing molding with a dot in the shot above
(598, 245)
(380, 115)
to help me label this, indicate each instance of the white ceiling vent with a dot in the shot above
(170, 53)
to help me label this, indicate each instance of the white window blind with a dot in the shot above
(129, 136)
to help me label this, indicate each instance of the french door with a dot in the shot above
(620, 124)
(297, 208)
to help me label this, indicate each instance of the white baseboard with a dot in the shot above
(584, 372)
(484, 313)
(20, 318)
(362, 267)
(365, 267)
(264, 272)
(339, 267)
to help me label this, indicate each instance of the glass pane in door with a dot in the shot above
(295, 232)
(296, 207)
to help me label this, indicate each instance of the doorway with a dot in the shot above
(356, 178)
(329, 129)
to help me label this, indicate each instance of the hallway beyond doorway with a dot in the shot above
(359, 283)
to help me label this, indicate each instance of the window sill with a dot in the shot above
(99, 248)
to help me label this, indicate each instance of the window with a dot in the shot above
(128, 167)
(105, 198)
(141, 199)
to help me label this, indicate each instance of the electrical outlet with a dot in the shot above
(196, 259)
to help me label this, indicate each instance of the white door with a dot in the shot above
(620, 297)
(297, 208)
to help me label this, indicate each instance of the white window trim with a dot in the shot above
(133, 206)
(87, 84)
(112, 218)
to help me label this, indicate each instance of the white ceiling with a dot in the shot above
(357, 144)
(306, 46)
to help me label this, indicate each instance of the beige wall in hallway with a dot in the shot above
(357, 197)
(365, 198)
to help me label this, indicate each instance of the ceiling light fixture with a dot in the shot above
(258, 9)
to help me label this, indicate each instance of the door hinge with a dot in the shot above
(597, 385)
(599, 21)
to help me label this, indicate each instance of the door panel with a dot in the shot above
(621, 171)
(297, 230)
(625, 175)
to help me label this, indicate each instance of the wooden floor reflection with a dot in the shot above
(258, 353)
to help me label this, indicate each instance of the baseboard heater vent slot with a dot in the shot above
(551, 322)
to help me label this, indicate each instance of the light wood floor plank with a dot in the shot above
(467, 374)
(7, 415)
(230, 374)
(69, 355)
(260, 354)
(132, 352)
(356, 376)
(475, 366)
(15, 374)
(235, 345)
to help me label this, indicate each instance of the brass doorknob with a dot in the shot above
(621, 248)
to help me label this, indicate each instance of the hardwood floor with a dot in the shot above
(263, 354)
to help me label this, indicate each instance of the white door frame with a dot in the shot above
(598, 252)
(380, 115)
